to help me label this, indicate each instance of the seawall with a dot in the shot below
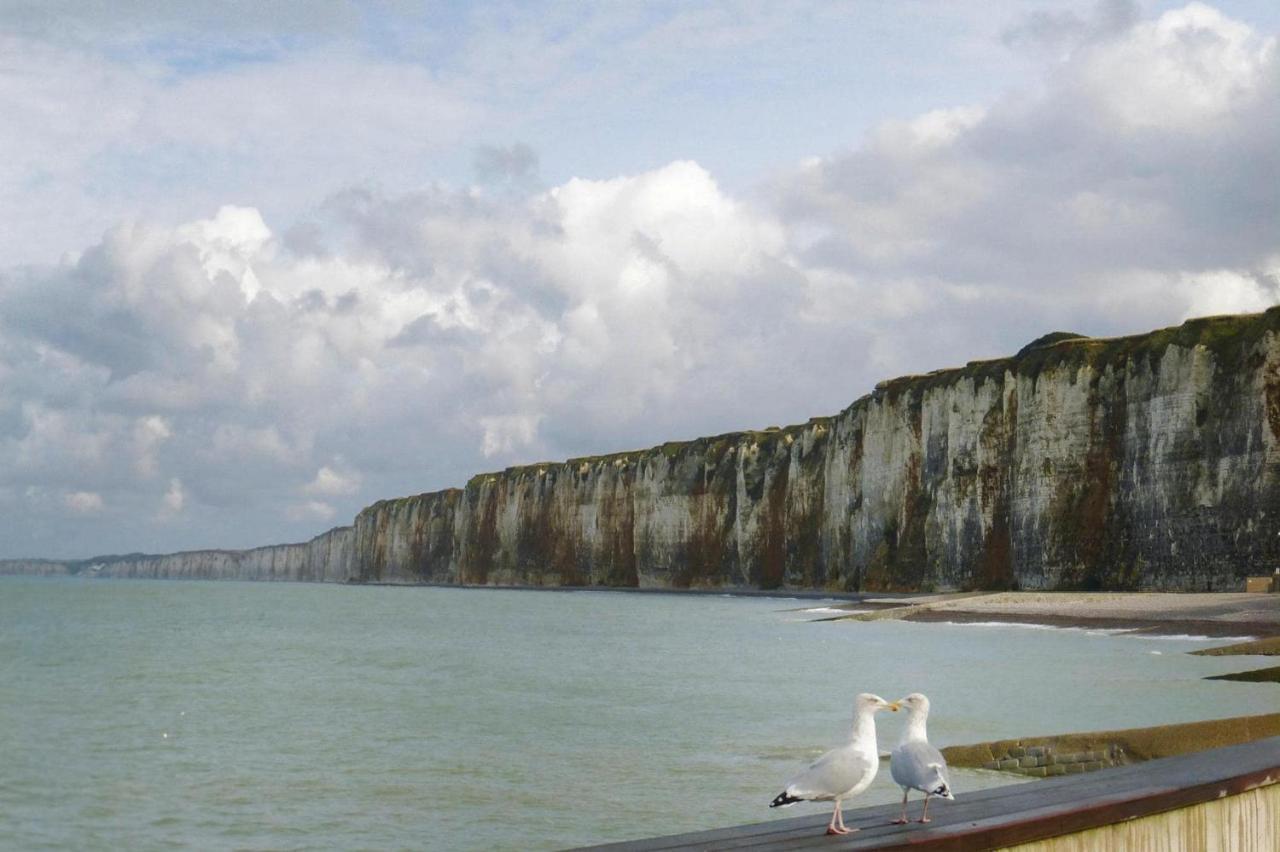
(1144, 462)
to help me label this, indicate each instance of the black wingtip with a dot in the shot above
(783, 800)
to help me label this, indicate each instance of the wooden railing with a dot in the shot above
(1234, 791)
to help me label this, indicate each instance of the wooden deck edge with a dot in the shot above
(1008, 816)
(1074, 817)
(1245, 822)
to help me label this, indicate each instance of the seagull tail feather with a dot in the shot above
(943, 789)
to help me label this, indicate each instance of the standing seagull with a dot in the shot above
(915, 764)
(842, 772)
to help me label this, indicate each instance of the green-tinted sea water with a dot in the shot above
(191, 715)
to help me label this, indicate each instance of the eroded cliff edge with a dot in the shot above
(1143, 462)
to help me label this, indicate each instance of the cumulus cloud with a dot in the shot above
(332, 482)
(1140, 163)
(444, 327)
(1183, 73)
(1227, 292)
(165, 145)
(271, 377)
(195, 105)
(506, 433)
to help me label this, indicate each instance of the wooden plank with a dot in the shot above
(875, 820)
(871, 816)
(1003, 816)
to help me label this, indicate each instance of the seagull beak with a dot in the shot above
(893, 705)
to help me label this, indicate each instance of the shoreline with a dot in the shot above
(1209, 614)
(1240, 631)
(1216, 615)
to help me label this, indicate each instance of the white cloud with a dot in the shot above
(235, 442)
(1184, 71)
(637, 231)
(1142, 158)
(174, 500)
(68, 442)
(933, 130)
(311, 510)
(281, 374)
(212, 136)
(507, 433)
(331, 482)
(230, 242)
(149, 433)
(1227, 292)
(83, 502)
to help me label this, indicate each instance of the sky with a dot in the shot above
(262, 264)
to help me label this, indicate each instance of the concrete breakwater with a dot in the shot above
(1144, 462)
(1068, 754)
(1045, 761)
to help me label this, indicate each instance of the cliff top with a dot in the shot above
(1048, 340)
(1228, 337)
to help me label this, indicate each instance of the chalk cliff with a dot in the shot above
(1143, 462)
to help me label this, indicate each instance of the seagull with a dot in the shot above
(842, 772)
(915, 764)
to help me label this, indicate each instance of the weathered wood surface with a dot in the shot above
(991, 819)
(1246, 822)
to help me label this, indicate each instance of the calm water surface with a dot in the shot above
(172, 715)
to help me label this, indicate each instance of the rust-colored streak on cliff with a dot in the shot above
(1143, 462)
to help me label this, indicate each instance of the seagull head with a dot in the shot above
(869, 703)
(916, 703)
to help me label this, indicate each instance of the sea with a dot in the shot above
(154, 715)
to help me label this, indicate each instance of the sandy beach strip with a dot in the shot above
(1214, 614)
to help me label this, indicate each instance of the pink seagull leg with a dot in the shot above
(902, 820)
(924, 815)
(842, 825)
(836, 815)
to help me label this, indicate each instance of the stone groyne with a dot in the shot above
(1067, 754)
(1145, 462)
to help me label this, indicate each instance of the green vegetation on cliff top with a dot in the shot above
(670, 450)
(1048, 340)
(1228, 337)
(394, 503)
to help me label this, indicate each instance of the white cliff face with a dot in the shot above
(1125, 464)
(1150, 462)
(34, 567)
(326, 558)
